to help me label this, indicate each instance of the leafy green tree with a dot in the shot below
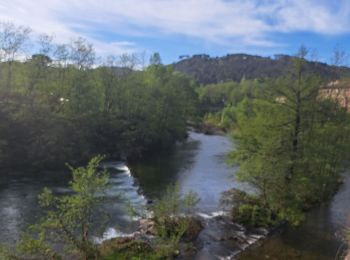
(218, 102)
(290, 144)
(12, 42)
(70, 218)
(170, 226)
(61, 109)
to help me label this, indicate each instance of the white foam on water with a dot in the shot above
(119, 166)
(109, 234)
(212, 214)
(230, 257)
(126, 191)
(123, 168)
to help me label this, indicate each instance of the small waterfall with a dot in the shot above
(123, 196)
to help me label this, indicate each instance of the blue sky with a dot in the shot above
(178, 27)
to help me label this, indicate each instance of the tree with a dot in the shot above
(339, 58)
(63, 109)
(12, 40)
(70, 218)
(61, 54)
(170, 226)
(45, 44)
(155, 59)
(288, 145)
(42, 59)
(82, 53)
(128, 61)
(109, 83)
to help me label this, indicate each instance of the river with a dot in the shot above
(198, 165)
(320, 236)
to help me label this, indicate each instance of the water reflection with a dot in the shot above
(198, 165)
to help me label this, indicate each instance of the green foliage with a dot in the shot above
(248, 209)
(66, 229)
(35, 247)
(59, 109)
(224, 119)
(218, 102)
(291, 145)
(173, 203)
(169, 204)
(6, 254)
(250, 215)
(69, 218)
(133, 249)
(190, 200)
(170, 227)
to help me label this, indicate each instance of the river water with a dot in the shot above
(320, 237)
(198, 165)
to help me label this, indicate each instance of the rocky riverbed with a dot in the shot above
(210, 237)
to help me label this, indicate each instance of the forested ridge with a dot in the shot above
(235, 67)
(57, 106)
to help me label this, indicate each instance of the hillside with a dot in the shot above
(206, 69)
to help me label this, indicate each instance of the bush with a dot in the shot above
(253, 216)
(69, 218)
(170, 227)
(248, 209)
(127, 249)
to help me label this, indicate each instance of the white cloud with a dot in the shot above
(247, 22)
(318, 16)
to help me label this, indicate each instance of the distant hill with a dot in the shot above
(207, 70)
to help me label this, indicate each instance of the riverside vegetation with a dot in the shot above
(57, 106)
(291, 144)
(66, 230)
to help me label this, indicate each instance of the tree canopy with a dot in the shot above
(63, 105)
(291, 144)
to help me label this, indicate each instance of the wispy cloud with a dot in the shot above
(223, 22)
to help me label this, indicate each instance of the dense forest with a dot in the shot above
(56, 106)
